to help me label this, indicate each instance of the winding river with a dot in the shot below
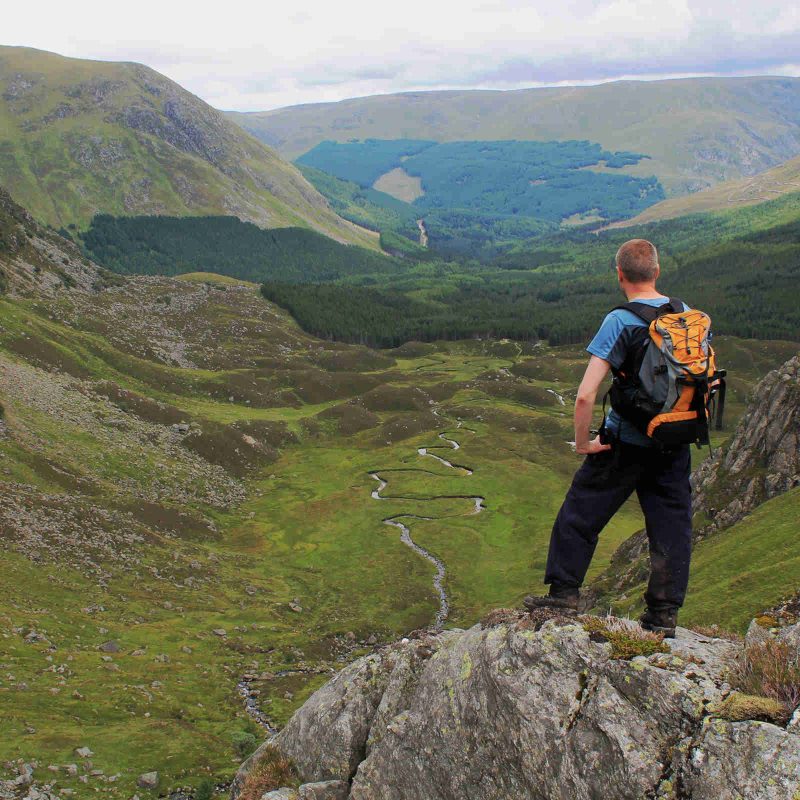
(401, 521)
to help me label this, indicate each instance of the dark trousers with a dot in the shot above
(602, 484)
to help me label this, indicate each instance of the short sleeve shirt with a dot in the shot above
(611, 343)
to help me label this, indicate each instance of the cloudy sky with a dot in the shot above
(253, 56)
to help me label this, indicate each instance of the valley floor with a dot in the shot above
(193, 526)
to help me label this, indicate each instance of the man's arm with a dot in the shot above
(584, 406)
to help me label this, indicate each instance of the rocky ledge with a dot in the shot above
(548, 709)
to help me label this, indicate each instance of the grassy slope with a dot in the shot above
(741, 571)
(699, 131)
(781, 180)
(80, 137)
(307, 528)
(751, 566)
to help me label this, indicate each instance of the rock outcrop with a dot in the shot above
(762, 459)
(515, 709)
(37, 261)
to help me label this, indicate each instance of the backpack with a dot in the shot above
(669, 386)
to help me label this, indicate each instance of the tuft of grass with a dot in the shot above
(626, 637)
(205, 790)
(738, 707)
(272, 771)
(770, 669)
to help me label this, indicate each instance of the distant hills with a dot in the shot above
(697, 131)
(80, 137)
(776, 182)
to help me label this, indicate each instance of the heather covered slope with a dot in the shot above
(698, 131)
(80, 137)
(776, 182)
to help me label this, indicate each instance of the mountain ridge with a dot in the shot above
(81, 137)
(698, 131)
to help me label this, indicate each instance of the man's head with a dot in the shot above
(637, 263)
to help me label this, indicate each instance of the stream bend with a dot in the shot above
(396, 521)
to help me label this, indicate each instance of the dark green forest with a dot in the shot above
(741, 266)
(226, 245)
(480, 197)
(361, 162)
(544, 180)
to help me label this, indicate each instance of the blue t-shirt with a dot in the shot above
(611, 343)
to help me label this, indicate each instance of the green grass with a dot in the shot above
(748, 568)
(304, 526)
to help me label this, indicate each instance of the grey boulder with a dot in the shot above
(516, 710)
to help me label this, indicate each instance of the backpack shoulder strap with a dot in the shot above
(648, 313)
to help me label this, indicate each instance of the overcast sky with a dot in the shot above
(253, 56)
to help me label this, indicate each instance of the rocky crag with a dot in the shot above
(543, 709)
(763, 457)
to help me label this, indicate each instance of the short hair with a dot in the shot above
(637, 259)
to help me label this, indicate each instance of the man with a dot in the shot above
(626, 460)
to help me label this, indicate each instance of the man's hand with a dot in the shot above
(592, 447)
(595, 373)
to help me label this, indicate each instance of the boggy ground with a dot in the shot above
(245, 552)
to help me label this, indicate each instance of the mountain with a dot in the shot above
(697, 131)
(81, 137)
(524, 706)
(776, 182)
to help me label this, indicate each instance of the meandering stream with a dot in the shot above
(402, 523)
(478, 505)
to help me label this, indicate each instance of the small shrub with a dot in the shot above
(272, 771)
(770, 669)
(244, 743)
(205, 790)
(627, 638)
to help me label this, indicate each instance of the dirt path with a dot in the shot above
(396, 521)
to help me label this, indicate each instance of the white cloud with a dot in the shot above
(248, 56)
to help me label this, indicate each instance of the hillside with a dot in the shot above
(776, 182)
(80, 137)
(511, 189)
(165, 245)
(697, 131)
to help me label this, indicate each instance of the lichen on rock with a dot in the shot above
(510, 709)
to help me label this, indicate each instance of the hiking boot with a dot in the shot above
(662, 622)
(560, 600)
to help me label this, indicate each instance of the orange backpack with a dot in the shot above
(669, 388)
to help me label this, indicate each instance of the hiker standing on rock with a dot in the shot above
(664, 377)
